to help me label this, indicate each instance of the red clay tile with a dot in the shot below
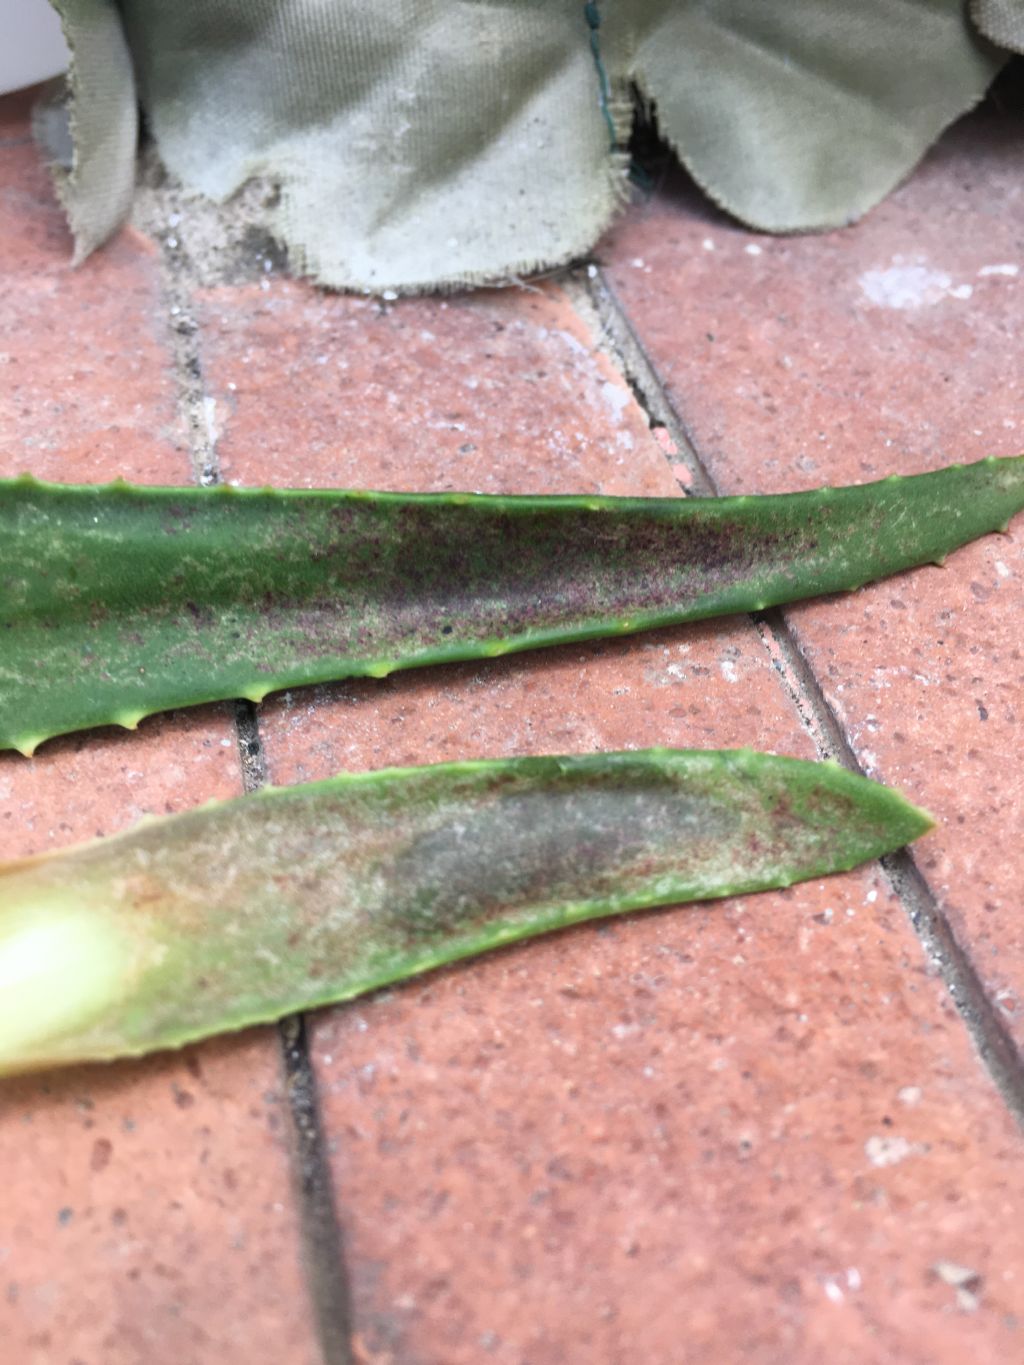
(86, 391)
(749, 1130)
(148, 1213)
(746, 1132)
(324, 390)
(148, 1210)
(100, 782)
(890, 346)
(662, 688)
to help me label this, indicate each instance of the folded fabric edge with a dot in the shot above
(89, 132)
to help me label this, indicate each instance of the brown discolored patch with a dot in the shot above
(102, 1150)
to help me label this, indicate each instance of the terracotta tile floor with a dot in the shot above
(759, 1130)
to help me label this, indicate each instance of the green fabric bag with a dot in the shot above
(430, 143)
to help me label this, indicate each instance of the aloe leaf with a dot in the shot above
(245, 910)
(117, 601)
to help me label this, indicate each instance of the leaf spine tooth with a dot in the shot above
(493, 649)
(254, 695)
(381, 669)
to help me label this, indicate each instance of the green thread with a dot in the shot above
(592, 15)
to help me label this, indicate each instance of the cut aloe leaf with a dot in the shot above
(249, 909)
(116, 601)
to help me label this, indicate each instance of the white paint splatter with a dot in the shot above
(888, 1151)
(574, 344)
(729, 671)
(753, 249)
(1010, 270)
(616, 396)
(964, 1280)
(905, 286)
(210, 420)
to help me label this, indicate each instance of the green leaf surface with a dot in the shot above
(116, 601)
(246, 910)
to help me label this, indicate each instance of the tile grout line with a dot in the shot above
(592, 295)
(323, 1244)
(326, 1266)
(593, 299)
(188, 373)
